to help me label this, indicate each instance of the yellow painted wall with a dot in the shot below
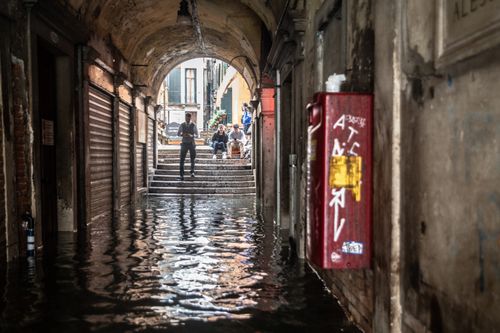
(241, 94)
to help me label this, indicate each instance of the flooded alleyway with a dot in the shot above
(183, 265)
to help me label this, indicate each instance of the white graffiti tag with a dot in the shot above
(337, 202)
(339, 148)
(347, 147)
(356, 120)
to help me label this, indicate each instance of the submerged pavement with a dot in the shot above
(181, 265)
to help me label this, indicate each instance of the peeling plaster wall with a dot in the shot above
(449, 261)
(451, 159)
(386, 75)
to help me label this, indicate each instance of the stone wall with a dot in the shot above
(436, 235)
(350, 54)
(15, 116)
(450, 169)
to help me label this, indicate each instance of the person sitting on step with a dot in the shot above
(237, 139)
(219, 141)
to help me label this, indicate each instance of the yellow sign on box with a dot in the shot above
(345, 171)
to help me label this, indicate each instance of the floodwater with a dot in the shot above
(182, 265)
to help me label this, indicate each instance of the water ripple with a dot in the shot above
(185, 264)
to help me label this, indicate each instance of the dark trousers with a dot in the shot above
(218, 146)
(192, 154)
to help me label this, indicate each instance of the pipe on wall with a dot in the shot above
(277, 137)
(29, 4)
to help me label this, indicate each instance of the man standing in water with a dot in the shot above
(189, 132)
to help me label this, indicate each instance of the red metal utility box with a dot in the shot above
(339, 229)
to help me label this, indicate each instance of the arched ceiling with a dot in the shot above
(145, 32)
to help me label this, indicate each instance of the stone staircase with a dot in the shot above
(213, 177)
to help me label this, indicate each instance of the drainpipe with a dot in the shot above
(157, 109)
(395, 255)
(29, 4)
(277, 136)
(82, 198)
(292, 165)
(277, 120)
(282, 17)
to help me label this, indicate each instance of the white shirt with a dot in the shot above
(238, 136)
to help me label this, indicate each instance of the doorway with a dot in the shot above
(47, 106)
(54, 141)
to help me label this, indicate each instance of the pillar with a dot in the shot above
(268, 155)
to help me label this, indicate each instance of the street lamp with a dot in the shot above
(183, 15)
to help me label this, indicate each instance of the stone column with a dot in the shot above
(268, 154)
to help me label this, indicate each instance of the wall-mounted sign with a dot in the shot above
(47, 132)
(466, 28)
(141, 127)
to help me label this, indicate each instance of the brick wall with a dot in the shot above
(21, 142)
(354, 290)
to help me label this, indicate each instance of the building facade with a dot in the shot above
(79, 81)
(184, 90)
(231, 93)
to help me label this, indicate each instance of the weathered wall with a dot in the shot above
(451, 159)
(386, 80)
(15, 119)
(3, 227)
(436, 161)
(267, 153)
(339, 39)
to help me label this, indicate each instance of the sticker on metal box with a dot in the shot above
(352, 247)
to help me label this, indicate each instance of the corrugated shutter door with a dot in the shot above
(3, 240)
(140, 165)
(150, 143)
(124, 117)
(101, 153)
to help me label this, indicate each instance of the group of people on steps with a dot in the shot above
(220, 139)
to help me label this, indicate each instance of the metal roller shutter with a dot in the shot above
(151, 139)
(124, 119)
(140, 165)
(101, 153)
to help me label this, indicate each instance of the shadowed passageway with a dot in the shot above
(372, 159)
(184, 264)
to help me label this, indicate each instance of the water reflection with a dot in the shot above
(185, 264)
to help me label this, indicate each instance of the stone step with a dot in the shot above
(175, 141)
(177, 150)
(199, 154)
(172, 148)
(198, 166)
(176, 156)
(202, 178)
(196, 195)
(194, 182)
(232, 161)
(177, 153)
(206, 173)
(222, 177)
(197, 190)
